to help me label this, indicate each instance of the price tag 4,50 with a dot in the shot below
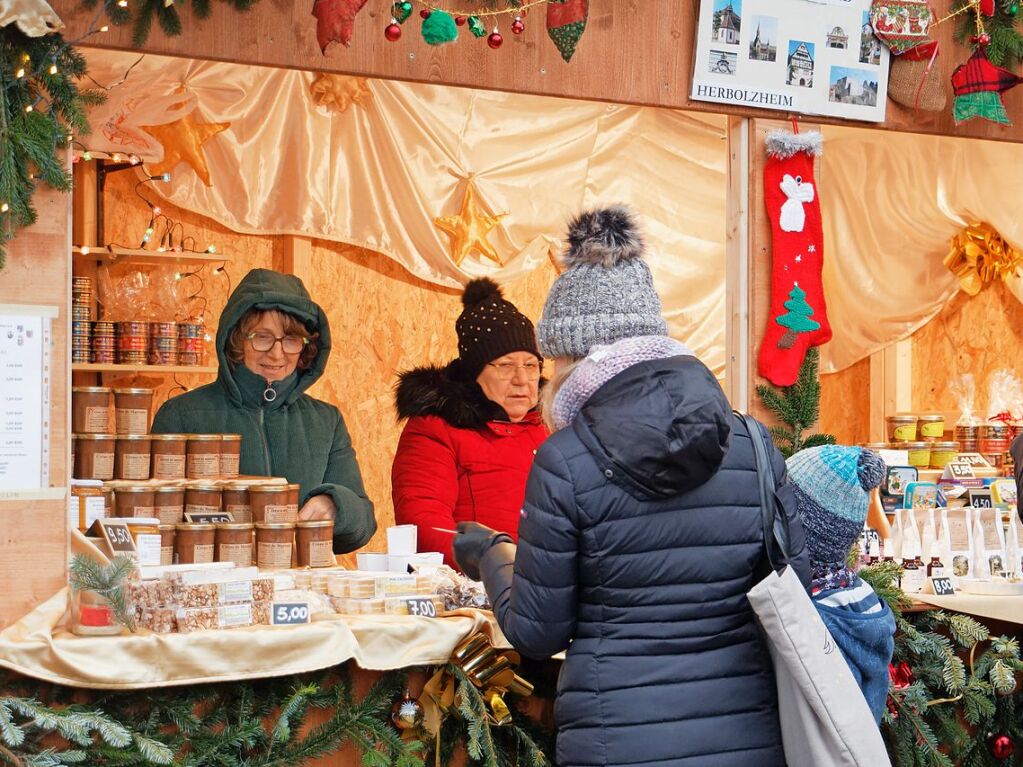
(424, 608)
(289, 613)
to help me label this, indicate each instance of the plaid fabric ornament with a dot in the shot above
(566, 22)
(978, 86)
(901, 24)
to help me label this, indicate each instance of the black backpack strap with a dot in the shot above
(776, 525)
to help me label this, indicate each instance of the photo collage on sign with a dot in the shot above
(843, 53)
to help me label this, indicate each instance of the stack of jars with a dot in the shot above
(191, 346)
(163, 343)
(81, 313)
(922, 436)
(132, 342)
(104, 343)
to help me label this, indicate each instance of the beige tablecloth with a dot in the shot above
(1000, 608)
(39, 646)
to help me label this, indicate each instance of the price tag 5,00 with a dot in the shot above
(289, 613)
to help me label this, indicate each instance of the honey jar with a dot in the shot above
(169, 505)
(90, 409)
(94, 456)
(931, 426)
(230, 455)
(85, 506)
(194, 543)
(167, 533)
(148, 541)
(274, 503)
(275, 545)
(134, 501)
(234, 543)
(236, 501)
(131, 410)
(168, 455)
(943, 453)
(203, 456)
(202, 498)
(131, 459)
(314, 543)
(919, 453)
(901, 428)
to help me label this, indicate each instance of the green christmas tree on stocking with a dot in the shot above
(797, 319)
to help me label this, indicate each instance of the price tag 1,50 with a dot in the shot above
(424, 608)
(289, 613)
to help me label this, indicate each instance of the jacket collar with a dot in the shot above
(251, 386)
(448, 393)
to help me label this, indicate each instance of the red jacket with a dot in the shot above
(459, 458)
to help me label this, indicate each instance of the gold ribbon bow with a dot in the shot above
(489, 669)
(978, 255)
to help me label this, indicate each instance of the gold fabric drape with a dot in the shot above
(378, 173)
(40, 646)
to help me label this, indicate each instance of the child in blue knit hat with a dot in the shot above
(832, 485)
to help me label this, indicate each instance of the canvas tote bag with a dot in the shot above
(825, 720)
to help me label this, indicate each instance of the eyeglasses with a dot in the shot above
(264, 342)
(506, 370)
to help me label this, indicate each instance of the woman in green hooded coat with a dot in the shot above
(272, 344)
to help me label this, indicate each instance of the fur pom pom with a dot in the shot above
(603, 237)
(480, 290)
(870, 469)
(784, 144)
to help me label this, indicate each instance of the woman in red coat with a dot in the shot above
(473, 426)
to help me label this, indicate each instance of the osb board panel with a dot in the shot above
(383, 321)
(845, 403)
(37, 272)
(632, 52)
(977, 335)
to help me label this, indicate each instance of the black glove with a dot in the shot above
(471, 543)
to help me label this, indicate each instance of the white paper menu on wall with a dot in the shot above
(25, 379)
(806, 57)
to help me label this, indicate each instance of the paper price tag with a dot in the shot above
(941, 586)
(289, 613)
(209, 517)
(424, 608)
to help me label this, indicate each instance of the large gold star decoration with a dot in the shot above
(338, 92)
(182, 141)
(469, 229)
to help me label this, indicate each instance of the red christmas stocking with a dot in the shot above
(798, 318)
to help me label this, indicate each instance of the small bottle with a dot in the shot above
(872, 551)
(935, 568)
(913, 576)
(887, 549)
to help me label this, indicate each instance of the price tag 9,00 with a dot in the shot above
(289, 613)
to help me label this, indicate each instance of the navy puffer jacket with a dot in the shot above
(638, 541)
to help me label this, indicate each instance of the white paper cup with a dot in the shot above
(371, 561)
(401, 539)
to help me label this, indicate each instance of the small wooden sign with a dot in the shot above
(941, 586)
(116, 536)
(424, 608)
(981, 499)
(959, 470)
(289, 613)
(209, 517)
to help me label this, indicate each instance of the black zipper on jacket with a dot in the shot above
(268, 396)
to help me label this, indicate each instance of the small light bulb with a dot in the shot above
(168, 3)
(25, 57)
(211, 249)
(87, 156)
(104, 28)
(20, 73)
(117, 157)
(4, 208)
(85, 250)
(161, 249)
(133, 159)
(53, 69)
(207, 338)
(157, 210)
(145, 238)
(177, 275)
(29, 108)
(123, 3)
(166, 177)
(149, 230)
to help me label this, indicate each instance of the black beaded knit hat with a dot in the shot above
(490, 327)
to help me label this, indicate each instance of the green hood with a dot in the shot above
(266, 289)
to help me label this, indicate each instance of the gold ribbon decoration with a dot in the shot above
(491, 670)
(979, 255)
(336, 93)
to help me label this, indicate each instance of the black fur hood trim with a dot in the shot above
(447, 393)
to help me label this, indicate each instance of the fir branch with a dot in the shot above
(86, 574)
(797, 407)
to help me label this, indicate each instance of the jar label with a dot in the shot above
(134, 466)
(168, 466)
(149, 548)
(83, 510)
(932, 429)
(241, 555)
(235, 615)
(166, 555)
(170, 515)
(236, 591)
(285, 513)
(102, 466)
(240, 512)
(202, 553)
(203, 465)
(321, 554)
(196, 508)
(97, 419)
(274, 555)
(143, 511)
(905, 433)
(131, 420)
(229, 465)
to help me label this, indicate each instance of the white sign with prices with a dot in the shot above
(25, 379)
(807, 57)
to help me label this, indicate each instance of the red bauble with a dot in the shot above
(518, 27)
(495, 40)
(1001, 746)
(393, 32)
(984, 39)
(460, 20)
(901, 675)
(425, 13)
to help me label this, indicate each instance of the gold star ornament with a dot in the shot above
(182, 142)
(338, 92)
(469, 229)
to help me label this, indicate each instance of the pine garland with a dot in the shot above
(40, 105)
(1005, 48)
(86, 574)
(142, 13)
(797, 407)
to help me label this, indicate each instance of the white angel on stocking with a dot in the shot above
(797, 191)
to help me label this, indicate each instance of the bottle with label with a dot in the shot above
(935, 568)
(913, 576)
(888, 550)
(873, 554)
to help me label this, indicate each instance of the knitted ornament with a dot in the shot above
(566, 22)
(798, 318)
(832, 486)
(901, 24)
(439, 28)
(606, 293)
(490, 327)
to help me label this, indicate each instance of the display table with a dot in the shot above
(40, 646)
(1002, 608)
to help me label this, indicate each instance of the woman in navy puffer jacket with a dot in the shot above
(640, 533)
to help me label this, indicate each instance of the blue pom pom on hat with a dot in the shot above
(832, 485)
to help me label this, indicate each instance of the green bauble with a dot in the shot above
(401, 11)
(477, 27)
(439, 28)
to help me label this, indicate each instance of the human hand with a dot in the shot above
(318, 507)
(472, 540)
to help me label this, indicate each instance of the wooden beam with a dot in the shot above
(293, 255)
(632, 52)
(737, 265)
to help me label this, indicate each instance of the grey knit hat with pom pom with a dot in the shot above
(606, 292)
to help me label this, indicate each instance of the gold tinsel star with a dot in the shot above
(338, 92)
(469, 229)
(182, 141)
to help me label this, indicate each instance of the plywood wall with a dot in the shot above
(383, 320)
(845, 404)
